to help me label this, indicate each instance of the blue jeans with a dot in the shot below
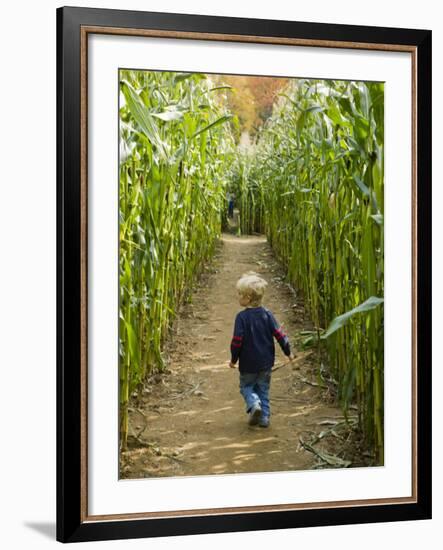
(254, 387)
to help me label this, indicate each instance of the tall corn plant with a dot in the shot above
(319, 164)
(246, 180)
(174, 149)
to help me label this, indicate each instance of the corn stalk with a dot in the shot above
(175, 145)
(317, 173)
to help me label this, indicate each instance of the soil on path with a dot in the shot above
(191, 420)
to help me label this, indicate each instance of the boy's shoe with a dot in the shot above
(254, 414)
(264, 422)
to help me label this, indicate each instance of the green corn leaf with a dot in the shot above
(378, 218)
(217, 122)
(221, 88)
(180, 77)
(362, 186)
(132, 342)
(341, 320)
(168, 115)
(143, 117)
(314, 109)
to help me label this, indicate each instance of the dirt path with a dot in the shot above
(191, 420)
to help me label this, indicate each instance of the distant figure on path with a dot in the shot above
(230, 198)
(253, 344)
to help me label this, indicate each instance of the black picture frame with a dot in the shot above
(73, 524)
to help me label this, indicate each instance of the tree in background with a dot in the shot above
(251, 98)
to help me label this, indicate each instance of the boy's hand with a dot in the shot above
(232, 365)
(290, 357)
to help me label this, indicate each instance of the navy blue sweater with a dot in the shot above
(253, 341)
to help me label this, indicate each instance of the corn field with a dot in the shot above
(313, 182)
(317, 175)
(175, 145)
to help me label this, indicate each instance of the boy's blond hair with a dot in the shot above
(253, 286)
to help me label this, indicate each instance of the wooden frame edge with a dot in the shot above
(84, 31)
(187, 35)
(414, 272)
(84, 274)
(205, 512)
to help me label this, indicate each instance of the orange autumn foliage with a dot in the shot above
(251, 98)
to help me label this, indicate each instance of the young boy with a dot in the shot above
(253, 343)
